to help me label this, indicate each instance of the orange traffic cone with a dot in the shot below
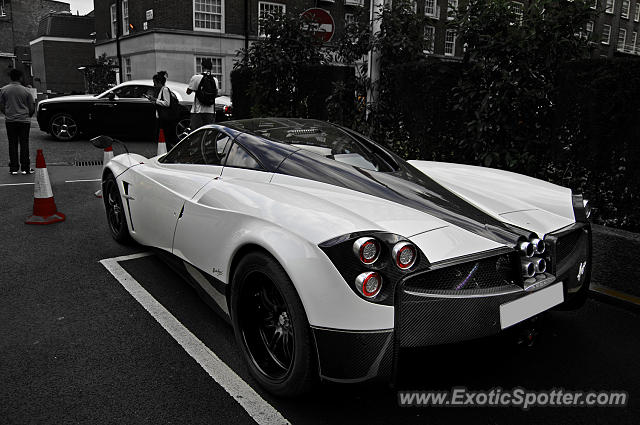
(108, 155)
(162, 144)
(44, 207)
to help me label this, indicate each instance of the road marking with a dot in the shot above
(258, 408)
(80, 181)
(15, 184)
(616, 294)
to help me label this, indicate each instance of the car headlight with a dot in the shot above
(373, 262)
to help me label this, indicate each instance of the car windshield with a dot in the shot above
(318, 137)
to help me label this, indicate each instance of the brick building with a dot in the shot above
(63, 43)
(617, 27)
(19, 21)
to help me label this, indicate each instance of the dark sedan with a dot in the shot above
(121, 111)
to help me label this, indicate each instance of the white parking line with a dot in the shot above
(81, 181)
(258, 408)
(15, 184)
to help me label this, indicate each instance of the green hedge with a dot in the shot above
(593, 147)
(315, 84)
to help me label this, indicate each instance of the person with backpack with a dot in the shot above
(205, 87)
(167, 109)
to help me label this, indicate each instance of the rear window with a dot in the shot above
(319, 138)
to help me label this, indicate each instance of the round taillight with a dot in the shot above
(367, 250)
(369, 284)
(404, 254)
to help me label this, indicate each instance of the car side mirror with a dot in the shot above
(112, 96)
(102, 142)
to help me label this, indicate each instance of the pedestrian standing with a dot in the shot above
(18, 106)
(205, 87)
(167, 119)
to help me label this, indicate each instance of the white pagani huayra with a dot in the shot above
(328, 253)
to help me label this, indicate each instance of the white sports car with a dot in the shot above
(328, 253)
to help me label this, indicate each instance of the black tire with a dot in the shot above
(116, 218)
(64, 127)
(271, 327)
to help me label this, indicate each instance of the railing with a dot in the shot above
(629, 49)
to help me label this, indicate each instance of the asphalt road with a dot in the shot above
(77, 347)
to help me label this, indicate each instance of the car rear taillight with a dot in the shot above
(369, 284)
(404, 254)
(366, 249)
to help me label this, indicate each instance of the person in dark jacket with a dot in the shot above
(18, 106)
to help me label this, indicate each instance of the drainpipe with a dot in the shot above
(118, 34)
(247, 17)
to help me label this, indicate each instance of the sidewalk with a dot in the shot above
(615, 260)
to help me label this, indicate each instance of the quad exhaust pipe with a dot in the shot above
(528, 268)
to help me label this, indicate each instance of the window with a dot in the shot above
(430, 8)
(265, 9)
(132, 92)
(239, 157)
(452, 7)
(127, 69)
(637, 17)
(595, 4)
(606, 33)
(430, 37)
(216, 70)
(610, 4)
(349, 18)
(624, 12)
(622, 39)
(589, 29)
(114, 21)
(214, 147)
(517, 9)
(3, 10)
(188, 151)
(207, 15)
(450, 43)
(125, 17)
(635, 43)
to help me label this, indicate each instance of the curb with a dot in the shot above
(615, 298)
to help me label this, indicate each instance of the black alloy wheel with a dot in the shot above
(271, 327)
(64, 127)
(115, 211)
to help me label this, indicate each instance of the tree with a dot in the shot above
(275, 61)
(507, 93)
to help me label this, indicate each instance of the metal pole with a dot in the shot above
(247, 17)
(374, 55)
(118, 34)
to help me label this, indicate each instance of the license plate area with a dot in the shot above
(528, 306)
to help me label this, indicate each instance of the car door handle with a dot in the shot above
(129, 197)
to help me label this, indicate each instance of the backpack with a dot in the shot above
(207, 90)
(172, 113)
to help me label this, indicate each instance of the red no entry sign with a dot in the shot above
(325, 26)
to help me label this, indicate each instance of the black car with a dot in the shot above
(121, 111)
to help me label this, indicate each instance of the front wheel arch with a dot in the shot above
(298, 380)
